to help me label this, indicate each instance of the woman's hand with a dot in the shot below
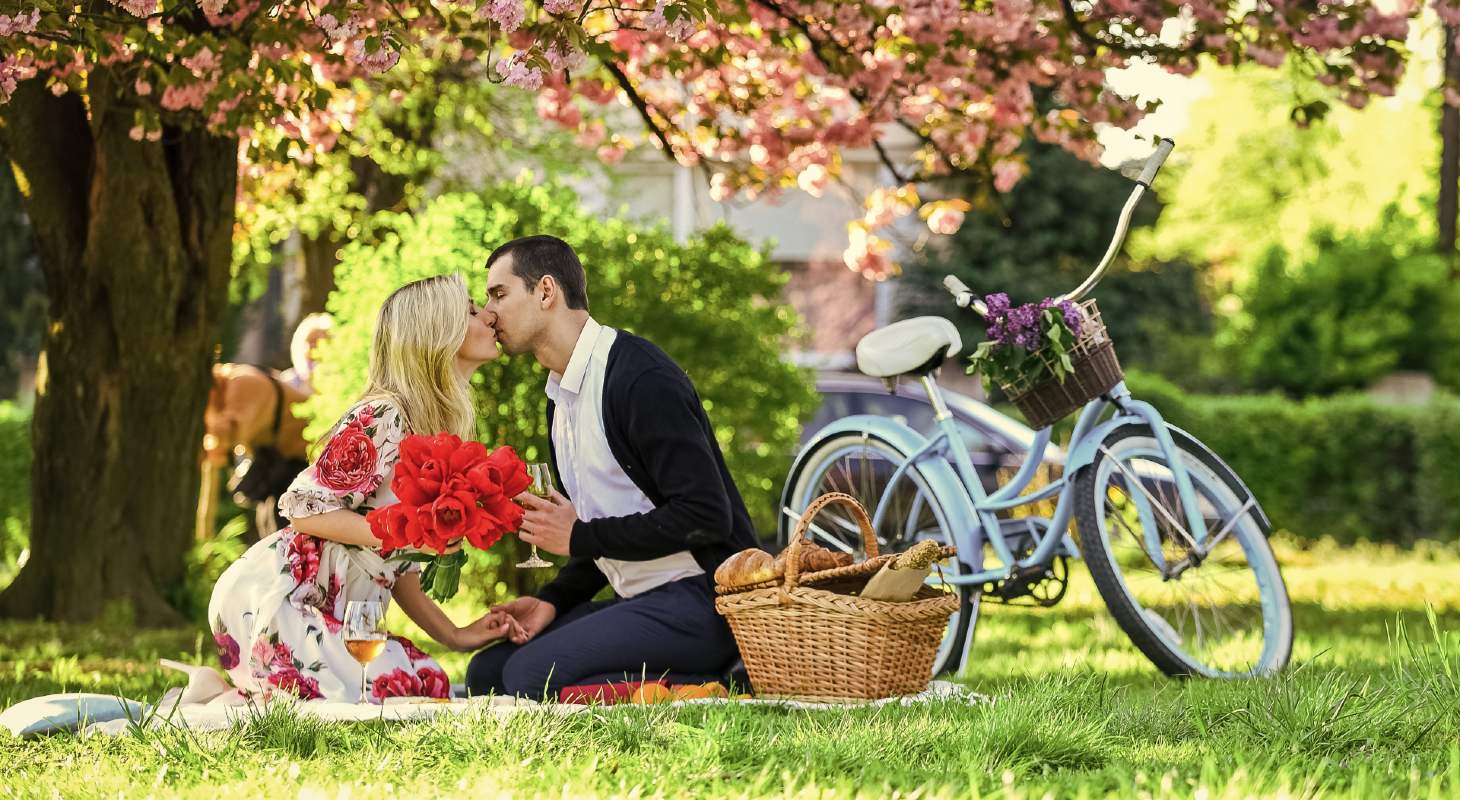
(491, 626)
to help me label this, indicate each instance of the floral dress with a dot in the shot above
(276, 612)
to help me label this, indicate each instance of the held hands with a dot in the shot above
(547, 522)
(530, 614)
(495, 624)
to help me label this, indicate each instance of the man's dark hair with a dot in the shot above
(536, 256)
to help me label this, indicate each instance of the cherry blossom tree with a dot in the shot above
(126, 122)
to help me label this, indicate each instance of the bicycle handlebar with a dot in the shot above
(965, 298)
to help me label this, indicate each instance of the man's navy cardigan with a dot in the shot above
(658, 432)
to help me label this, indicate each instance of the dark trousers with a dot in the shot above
(671, 632)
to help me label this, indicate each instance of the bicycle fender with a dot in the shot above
(941, 478)
(1084, 454)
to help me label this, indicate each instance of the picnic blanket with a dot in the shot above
(209, 703)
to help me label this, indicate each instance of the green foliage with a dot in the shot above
(1346, 467)
(1244, 178)
(712, 302)
(15, 457)
(1047, 235)
(427, 126)
(1362, 306)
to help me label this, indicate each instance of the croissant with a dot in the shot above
(746, 567)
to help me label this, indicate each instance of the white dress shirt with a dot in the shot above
(592, 477)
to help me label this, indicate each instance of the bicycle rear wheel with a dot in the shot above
(861, 466)
(1222, 614)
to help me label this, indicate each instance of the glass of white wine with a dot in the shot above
(542, 486)
(364, 632)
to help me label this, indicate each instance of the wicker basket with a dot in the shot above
(806, 643)
(1096, 370)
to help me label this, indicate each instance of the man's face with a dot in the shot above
(520, 317)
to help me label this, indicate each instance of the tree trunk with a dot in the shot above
(135, 242)
(1448, 206)
(314, 270)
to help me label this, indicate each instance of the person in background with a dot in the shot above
(250, 419)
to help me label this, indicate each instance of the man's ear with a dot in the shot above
(547, 291)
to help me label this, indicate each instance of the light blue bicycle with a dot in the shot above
(1175, 542)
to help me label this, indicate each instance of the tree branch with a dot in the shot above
(641, 105)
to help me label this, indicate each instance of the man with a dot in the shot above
(649, 507)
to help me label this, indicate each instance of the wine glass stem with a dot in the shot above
(534, 553)
(364, 698)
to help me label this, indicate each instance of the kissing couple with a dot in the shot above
(648, 508)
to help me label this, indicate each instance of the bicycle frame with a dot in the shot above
(946, 447)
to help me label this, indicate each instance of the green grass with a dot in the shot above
(1370, 708)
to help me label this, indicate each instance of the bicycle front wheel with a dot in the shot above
(1219, 609)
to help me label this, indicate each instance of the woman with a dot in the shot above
(277, 612)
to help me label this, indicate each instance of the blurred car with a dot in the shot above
(995, 440)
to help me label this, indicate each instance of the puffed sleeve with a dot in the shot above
(356, 460)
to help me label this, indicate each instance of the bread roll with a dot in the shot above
(814, 558)
(746, 567)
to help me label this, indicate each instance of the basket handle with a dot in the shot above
(793, 549)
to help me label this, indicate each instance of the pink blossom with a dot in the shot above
(506, 13)
(336, 30)
(560, 6)
(562, 57)
(142, 87)
(137, 8)
(720, 187)
(813, 179)
(515, 71)
(20, 23)
(945, 220)
(611, 153)
(1452, 97)
(203, 63)
(212, 7)
(176, 97)
(885, 205)
(1006, 174)
(1264, 56)
(136, 133)
(678, 30)
(379, 61)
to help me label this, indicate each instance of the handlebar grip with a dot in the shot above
(1153, 164)
(960, 291)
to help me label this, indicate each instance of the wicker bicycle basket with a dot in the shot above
(809, 643)
(1045, 401)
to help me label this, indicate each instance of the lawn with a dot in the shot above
(1370, 708)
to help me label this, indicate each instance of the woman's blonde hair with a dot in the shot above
(418, 332)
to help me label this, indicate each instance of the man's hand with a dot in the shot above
(548, 522)
(492, 625)
(531, 616)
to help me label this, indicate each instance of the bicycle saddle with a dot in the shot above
(912, 347)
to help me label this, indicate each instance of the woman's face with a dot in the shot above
(480, 344)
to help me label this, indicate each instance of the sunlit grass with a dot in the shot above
(1370, 708)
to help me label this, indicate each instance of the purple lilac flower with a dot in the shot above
(1023, 323)
(1073, 319)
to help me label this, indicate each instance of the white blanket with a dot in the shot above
(207, 703)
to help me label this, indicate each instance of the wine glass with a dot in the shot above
(364, 631)
(542, 486)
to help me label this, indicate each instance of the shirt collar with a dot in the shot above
(572, 378)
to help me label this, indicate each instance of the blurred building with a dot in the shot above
(807, 236)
